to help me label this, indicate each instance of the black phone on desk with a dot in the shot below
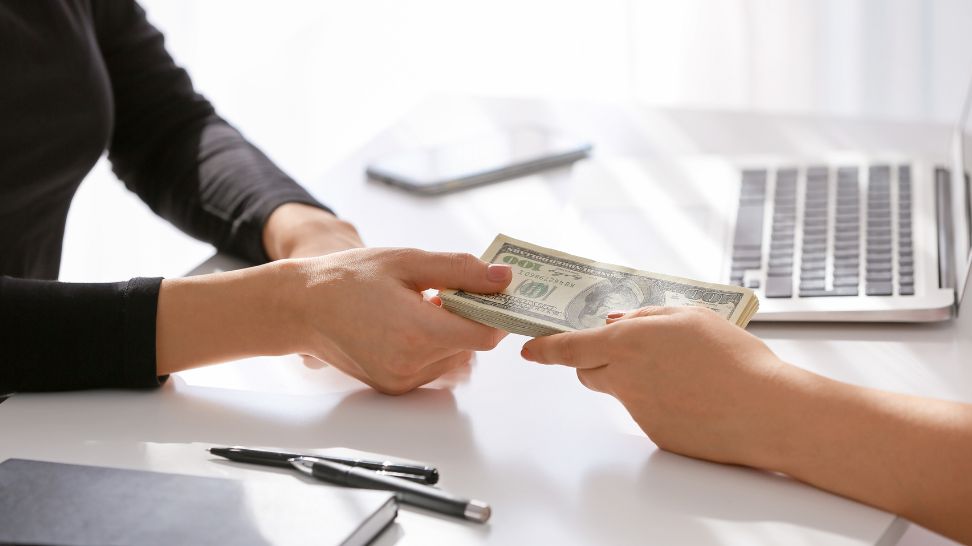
(501, 155)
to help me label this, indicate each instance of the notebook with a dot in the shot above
(68, 504)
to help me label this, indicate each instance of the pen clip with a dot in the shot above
(300, 462)
(405, 476)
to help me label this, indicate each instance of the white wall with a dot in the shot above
(879, 58)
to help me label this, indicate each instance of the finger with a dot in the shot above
(426, 374)
(424, 270)
(460, 360)
(313, 362)
(595, 379)
(651, 311)
(580, 349)
(459, 375)
(452, 331)
(346, 365)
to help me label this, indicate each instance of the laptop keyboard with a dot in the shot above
(822, 242)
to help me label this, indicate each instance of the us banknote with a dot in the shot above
(554, 292)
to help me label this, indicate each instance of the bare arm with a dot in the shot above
(905, 454)
(223, 316)
(702, 387)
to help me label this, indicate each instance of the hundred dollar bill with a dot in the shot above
(554, 292)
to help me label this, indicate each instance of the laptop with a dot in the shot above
(877, 240)
(853, 237)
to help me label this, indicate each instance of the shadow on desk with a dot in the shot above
(704, 498)
(548, 482)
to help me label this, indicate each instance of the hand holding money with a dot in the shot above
(554, 292)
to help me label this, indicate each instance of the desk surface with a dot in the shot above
(559, 464)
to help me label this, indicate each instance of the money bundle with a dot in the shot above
(554, 292)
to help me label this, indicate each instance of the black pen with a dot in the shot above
(416, 473)
(406, 491)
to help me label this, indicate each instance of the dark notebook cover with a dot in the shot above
(53, 503)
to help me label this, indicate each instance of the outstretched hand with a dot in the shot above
(696, 384)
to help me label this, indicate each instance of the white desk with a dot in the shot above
(559, 464)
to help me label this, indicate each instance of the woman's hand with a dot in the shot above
(363, 312)
(296, 230)
(695, 383)
(360, 310)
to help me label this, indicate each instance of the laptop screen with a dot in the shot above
(961, 197)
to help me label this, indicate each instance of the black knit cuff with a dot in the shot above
(137, 367)
(249, 233)
(63, 336)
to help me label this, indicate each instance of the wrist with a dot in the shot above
(214, 318)
(860, 443)
(284, 288)
(792, 419)
(823, 422)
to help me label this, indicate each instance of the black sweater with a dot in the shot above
(77, 77)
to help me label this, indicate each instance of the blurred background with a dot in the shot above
(311, 81)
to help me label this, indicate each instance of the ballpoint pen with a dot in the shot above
(417, 473)
(406, 491)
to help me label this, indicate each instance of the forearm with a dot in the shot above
(904, 454)
(224, 316)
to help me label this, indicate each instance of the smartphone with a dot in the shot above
(492, 157)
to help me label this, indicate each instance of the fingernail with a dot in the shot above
(525, 353)
(615, 314)
(498, 272)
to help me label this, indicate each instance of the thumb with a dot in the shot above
(424, 270)
(578, 349)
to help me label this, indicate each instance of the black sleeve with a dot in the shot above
(59, 336)
(169, 146)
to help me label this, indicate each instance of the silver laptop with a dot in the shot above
(872, 241)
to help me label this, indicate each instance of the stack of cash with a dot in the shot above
(554, 292)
